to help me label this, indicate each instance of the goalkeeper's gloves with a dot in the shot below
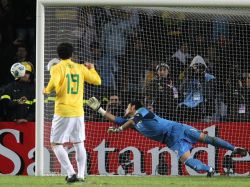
(114, 129)
(96, 105)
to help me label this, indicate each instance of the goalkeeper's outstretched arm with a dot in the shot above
(109, 117)
(96, 106)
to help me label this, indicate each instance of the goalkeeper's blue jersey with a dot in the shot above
(159, 129)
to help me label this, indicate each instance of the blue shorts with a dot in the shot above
(186, 138)
(181, 147)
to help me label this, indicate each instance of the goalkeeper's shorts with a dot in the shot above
(181, 147)
(187, 136)
(67, 129)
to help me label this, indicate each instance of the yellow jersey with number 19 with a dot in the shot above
(67, 80)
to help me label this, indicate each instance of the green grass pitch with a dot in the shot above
(127, 181)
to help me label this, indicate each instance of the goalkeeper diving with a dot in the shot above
(177, 136)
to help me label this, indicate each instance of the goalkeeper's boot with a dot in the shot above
(239, 150)
(211, 172)
(71, 179)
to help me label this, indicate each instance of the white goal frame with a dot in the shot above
(40, 22)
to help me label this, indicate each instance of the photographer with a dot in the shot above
(197, 92)
(162, 92)
(237, 99)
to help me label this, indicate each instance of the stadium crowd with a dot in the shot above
(182, 67)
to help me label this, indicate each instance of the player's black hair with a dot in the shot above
(65, 50)
(138, 104)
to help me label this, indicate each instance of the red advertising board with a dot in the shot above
(105, 151)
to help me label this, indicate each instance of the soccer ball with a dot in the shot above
(17, 70)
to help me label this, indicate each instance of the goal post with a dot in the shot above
(42, 48)
(183, 3)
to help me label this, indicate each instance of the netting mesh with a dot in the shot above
(149, 54)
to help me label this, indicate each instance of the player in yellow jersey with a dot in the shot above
(67, 80)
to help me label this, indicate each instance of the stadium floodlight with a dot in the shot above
(64, 20)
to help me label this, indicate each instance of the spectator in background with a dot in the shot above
(25, 23)
(237, 99)
(114, 105)
(221, 27)
(177, 70)
(18, 97)
(212, 60)
(21, 53)
(85, 32)
(162, 92)
(132, 66)
(104, 67)
(197, 93)
(114, 36)
(150, 73)
(182, 53)
(200, 42)
(104, 70)
(179, 62)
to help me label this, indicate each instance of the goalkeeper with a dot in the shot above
(179, 137)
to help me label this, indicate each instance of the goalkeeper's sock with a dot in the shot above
(197, 165)
(80, 159)
(63, 158)
(218, 142)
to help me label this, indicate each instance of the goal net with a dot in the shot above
(185, 64)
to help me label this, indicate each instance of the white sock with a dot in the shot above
(63, 158)
(80, 159)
